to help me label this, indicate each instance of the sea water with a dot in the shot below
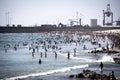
(20, 63)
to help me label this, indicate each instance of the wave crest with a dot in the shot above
(49, 72)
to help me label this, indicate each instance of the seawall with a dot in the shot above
(48, 29)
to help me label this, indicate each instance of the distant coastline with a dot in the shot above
(29, 29)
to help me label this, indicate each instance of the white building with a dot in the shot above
(93, 22)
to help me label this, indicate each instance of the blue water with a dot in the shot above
(20, 62)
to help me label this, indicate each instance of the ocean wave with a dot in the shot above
(106, 58)
(103, 58)
(49, 72)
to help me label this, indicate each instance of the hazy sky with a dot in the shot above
(37, 12)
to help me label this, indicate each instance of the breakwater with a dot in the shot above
(28, 29)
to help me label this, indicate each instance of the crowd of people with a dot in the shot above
(53, 40)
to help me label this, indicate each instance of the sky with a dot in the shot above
(37, 12)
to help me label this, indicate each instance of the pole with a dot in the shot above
(10, 20)
(77, 17)
(112, 18)
(103, 18)
(6, 19)
(80, 21)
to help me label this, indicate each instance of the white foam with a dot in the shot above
(80, 58)
(49, 72)
(106, 58)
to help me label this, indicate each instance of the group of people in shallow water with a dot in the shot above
(113, 36)
(53, 40)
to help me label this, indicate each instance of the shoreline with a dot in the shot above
(69, 75)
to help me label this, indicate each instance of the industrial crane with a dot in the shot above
(107, 14)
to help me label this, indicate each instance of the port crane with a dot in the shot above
(107, 14)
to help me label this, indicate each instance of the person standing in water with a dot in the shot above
(75, 52)
(41, 54)
(68, 55)
(101, 66)
(40, 61)
(113, 76)
(45, 55)
(55, 55)
(33, 55)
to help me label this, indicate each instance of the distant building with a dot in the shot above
(118, 22)
(93, 22)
